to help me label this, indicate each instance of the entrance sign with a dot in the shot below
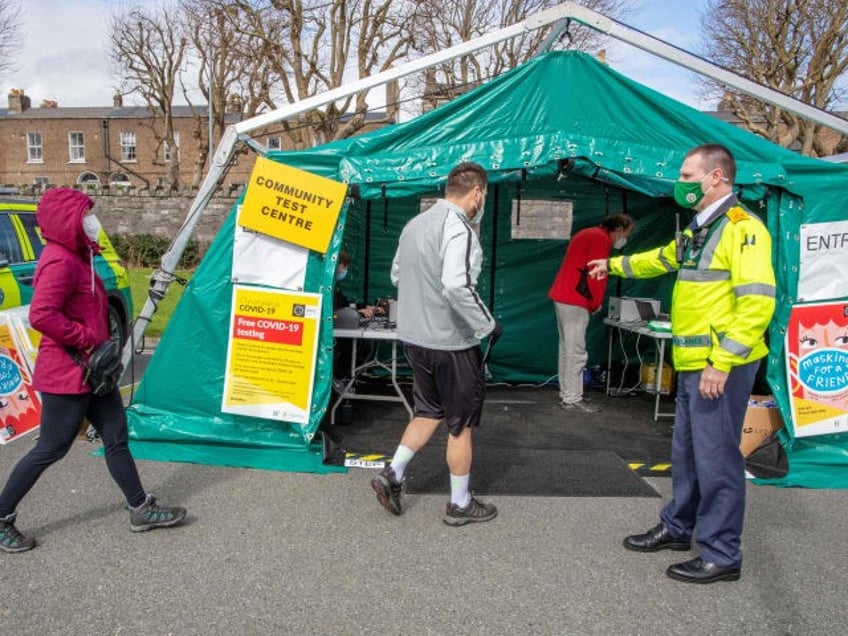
(271, 354)
(817, 368)
(823, 271)
(292, 204)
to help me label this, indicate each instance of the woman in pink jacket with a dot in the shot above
(70, 309)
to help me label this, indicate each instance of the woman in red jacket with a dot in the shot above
(575, 297)
(70, 309)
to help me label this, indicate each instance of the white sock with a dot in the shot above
(459, 490)
(403, 455)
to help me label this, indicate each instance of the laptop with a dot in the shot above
(653, 320)
(646, 310)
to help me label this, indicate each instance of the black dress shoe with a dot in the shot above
(657, 538)
(699, 571)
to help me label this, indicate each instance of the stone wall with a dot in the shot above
(159, 214)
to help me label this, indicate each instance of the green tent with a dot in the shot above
(562, 127)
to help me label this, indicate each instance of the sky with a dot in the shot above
(64, 55)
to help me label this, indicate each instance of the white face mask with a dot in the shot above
(478, 216)
(91, 227)
(621, 242)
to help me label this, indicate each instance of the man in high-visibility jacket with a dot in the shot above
(722, 303)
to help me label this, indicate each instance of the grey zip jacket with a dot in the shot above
(435, 269)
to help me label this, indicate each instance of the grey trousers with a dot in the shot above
(571, 323)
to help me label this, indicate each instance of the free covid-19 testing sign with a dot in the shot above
(292, 205)
(273, 341)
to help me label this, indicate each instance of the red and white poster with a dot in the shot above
(20, 405)
(817, 368)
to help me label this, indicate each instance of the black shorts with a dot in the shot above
(448, 385)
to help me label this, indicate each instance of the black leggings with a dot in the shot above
(60, 422)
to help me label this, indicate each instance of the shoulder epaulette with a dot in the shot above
(736, 214)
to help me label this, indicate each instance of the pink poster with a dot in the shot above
(20, 405)
(817, 367)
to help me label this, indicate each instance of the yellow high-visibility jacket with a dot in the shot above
(723, 299)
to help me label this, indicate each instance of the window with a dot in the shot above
(34, 148)
(161, 182)
(274, 143)
(76, 147)
(10, 247)
(128, 146)
(168, 148)
(32, 230)
(119, 178)
(88, 177)
(41, 181)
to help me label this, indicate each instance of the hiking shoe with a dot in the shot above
(151, 515)
(582, 406)
(388, 490)
(11, 540)
(475, 511)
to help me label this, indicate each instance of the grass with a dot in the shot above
(139, 287)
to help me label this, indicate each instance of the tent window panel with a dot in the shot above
(542, 218)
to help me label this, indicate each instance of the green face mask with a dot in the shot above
(687, 194)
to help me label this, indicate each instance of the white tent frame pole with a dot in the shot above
(162, 278)
(559, 15)
(619, 31)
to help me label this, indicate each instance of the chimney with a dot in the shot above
(392, 100)
(234, 104)
(602, 56)
(117, 100)
(18, 101)
(49, 103)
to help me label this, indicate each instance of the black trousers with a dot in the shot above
(60, 422)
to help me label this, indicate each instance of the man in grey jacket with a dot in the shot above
(441, 320)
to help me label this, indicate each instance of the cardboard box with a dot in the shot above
(762, 419)
(648, 378)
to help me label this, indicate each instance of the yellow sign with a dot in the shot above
(271, 354)
(292, 205)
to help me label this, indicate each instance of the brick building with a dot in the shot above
(115, 148)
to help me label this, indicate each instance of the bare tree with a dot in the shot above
(440, 24)
(238, 79)
(148, 46)
(797, 47)
(312, 46)
(10, 25)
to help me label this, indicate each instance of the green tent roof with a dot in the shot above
(560, 105)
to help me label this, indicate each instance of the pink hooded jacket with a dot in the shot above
(69, 304)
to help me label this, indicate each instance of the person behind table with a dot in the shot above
(575, 296)
(441, 319)
(343, 351)
(722, 303)
(70, 309)
(339, 298)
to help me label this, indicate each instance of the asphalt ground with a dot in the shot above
(267, 552)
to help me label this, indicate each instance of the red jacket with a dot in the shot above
(69, 304)
(586, 245)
